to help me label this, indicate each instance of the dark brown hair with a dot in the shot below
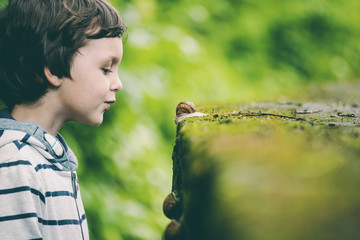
(35, 34)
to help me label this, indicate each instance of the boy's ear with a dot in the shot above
(53, 79)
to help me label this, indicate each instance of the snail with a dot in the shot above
(173, 231)
(172, 206)
(186, 109)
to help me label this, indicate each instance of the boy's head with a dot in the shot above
(35, 34)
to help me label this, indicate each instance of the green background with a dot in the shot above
(219, 51)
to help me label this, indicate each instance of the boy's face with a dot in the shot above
(91, 90)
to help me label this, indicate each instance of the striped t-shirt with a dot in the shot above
(39, 192)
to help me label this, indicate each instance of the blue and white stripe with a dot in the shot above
(37, 196)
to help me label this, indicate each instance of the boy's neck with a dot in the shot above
(40, 114)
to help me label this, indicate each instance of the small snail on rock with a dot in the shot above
(186, 109)
(173, 231)
(173, 210)
(172, 206)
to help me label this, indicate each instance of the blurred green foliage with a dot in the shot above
(203, 51)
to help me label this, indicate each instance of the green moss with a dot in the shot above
(270, 171)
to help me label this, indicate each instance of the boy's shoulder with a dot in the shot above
(16, 164)
(13, 149)
(23, 161)
(40, 150)
(18, 146)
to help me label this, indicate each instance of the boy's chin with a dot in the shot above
(97, 123)
(94, 122)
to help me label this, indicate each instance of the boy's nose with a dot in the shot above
(116, 85)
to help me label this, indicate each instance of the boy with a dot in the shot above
(58, 63)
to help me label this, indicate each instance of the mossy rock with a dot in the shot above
(274, 171)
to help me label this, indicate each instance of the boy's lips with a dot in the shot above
(107, 104)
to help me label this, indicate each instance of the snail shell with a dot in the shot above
(172, 206)
(173, 231)
(185, 107)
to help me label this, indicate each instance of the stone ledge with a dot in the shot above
(268, 171)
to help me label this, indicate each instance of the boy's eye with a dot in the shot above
(106, 70)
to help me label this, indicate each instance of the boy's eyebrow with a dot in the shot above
(112, 59)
